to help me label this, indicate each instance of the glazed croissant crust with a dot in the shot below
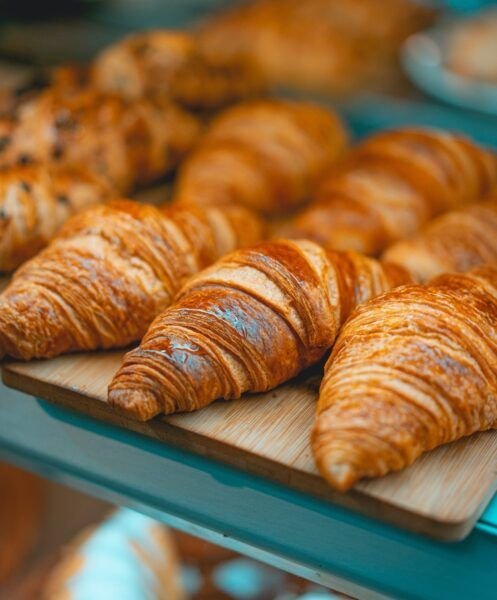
(411, 370)
(455, 242)
(392, 185)
(253, 320)
(109, 272)
(131, 143)
(169, 63)
(268, 155)
(35, 201)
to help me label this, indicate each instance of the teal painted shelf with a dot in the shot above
(311, 538)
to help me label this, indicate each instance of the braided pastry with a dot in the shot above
(109, 272)
(129, 143)
(253, 320)
(392, 185)
(411, 370)
(35, 201)
(168, 63)
(458, 241)
(268, 155)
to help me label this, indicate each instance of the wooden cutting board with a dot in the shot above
(441, 495)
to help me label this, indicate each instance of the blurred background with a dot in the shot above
(431, 63)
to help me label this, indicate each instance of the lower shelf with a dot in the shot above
(314, 539)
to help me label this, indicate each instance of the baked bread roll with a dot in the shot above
(168, 63)
(457, 241)
(331, 46)
(109, 272)
(253, 320)
(129, 556)
(393, 184)
(131, 143)
(267, 155)
(35, 201)
(411, 370)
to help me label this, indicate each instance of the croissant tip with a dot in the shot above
(140, 405)
(341, 475)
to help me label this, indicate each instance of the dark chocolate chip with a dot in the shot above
(3, 214)
(57, 152)
(25, 159)
(4, 142)
(63, 199)
(25, 186)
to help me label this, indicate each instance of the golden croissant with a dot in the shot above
(411, 370)
(35, 201)
(392, 185)
(131, 143)
(457, 241)
(335, 46)
(169, 63)
(267, 155)
(253, 320)
(109, 272)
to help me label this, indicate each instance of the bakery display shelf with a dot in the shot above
(273, 522)
(441, 495)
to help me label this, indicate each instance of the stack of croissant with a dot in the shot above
(221, 298)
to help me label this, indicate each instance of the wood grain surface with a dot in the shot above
(441, 495)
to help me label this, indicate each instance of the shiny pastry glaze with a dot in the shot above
(457, 241)
(268, 155)
(253, 320)
(109, 272)
(35, 201)
(411, 370)
(393, 184)
(129, 142)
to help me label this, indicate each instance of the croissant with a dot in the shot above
(411, 370)
(331, 46)
(457, 241)
(169, 63)
(127, 555)
(392, 185)
(109, 272)
(253, 320)
(35, 201)
(131, 143)
(268, 155)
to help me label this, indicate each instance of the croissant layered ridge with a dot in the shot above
(131, 143)
(455, 242)
(253, 320)
(268, 155)
(392, 184)
(109, 272)
(169, 63)
(35, 201)
(411, 370)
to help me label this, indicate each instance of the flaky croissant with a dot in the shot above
(335, 46)
(35, 201)
(394, 183)
(268, 155)
(130, 143)
(169, 63)
(253, 320)
(411, 370)
(109, 272)
(455, 242)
